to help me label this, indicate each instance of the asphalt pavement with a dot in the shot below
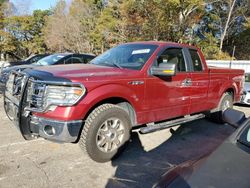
(40, 163)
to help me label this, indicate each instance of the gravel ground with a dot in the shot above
(41, 163)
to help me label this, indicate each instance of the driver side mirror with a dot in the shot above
(164, 69)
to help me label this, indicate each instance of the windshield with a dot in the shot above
(50, 60)
(131, 56)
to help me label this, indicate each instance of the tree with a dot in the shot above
(108, 28)
(242, 42)
(26, 32)
(161, 19)
(224, 19)
(231, 7)
(144, 20)
(6, 41)
(1, 13)
(69, 31)
(97, 25)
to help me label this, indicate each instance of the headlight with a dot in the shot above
(62, 95)
(43, 96)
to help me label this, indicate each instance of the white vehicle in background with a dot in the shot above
(245, 99)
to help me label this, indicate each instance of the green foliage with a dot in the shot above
(2, 7)
(210, 48)
(161, 19)
(22, 35)
(70, 31)
(8, 43)
(242, 43)
(97, 25)
(107, 29)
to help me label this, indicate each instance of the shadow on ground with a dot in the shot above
(242, 105)
(139, 168)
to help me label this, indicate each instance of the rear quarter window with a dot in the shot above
(196, 60)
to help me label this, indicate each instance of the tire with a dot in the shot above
(105, 132)
(225, 102)
(9, 110)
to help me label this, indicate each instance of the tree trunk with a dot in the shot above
(227, 23)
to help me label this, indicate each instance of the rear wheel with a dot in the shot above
(225, 103)
(105, 132)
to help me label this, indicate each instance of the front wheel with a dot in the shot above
(106, 130)
(225, 103)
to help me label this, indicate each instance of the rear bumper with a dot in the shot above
(59, 131)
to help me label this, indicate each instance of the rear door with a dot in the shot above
(199, 82)
(169, 96)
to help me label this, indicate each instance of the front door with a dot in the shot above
(169, 96)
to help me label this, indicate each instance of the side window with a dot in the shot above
(196, 61)
(35, 59)
(73, 60)
(86, 59)
(172, 55)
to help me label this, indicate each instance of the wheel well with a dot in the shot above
(231, 92)
(123, 103)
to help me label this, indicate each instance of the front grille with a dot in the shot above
(25, 95)
(20, 85)
(35, 94)
(15, 85)
(13, 94)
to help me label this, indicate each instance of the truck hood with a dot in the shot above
(89, 72)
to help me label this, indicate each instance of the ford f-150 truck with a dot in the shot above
(153, 84)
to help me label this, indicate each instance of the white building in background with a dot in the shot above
(242, 64)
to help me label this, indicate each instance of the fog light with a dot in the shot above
(49, 130)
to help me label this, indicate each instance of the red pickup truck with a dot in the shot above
(153, 84)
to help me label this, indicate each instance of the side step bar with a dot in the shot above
(156, 127)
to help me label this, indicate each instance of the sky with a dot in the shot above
(42, 4)
(34, 4)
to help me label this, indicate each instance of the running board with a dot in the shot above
(164, 125)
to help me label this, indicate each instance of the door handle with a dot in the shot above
(186, 82)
